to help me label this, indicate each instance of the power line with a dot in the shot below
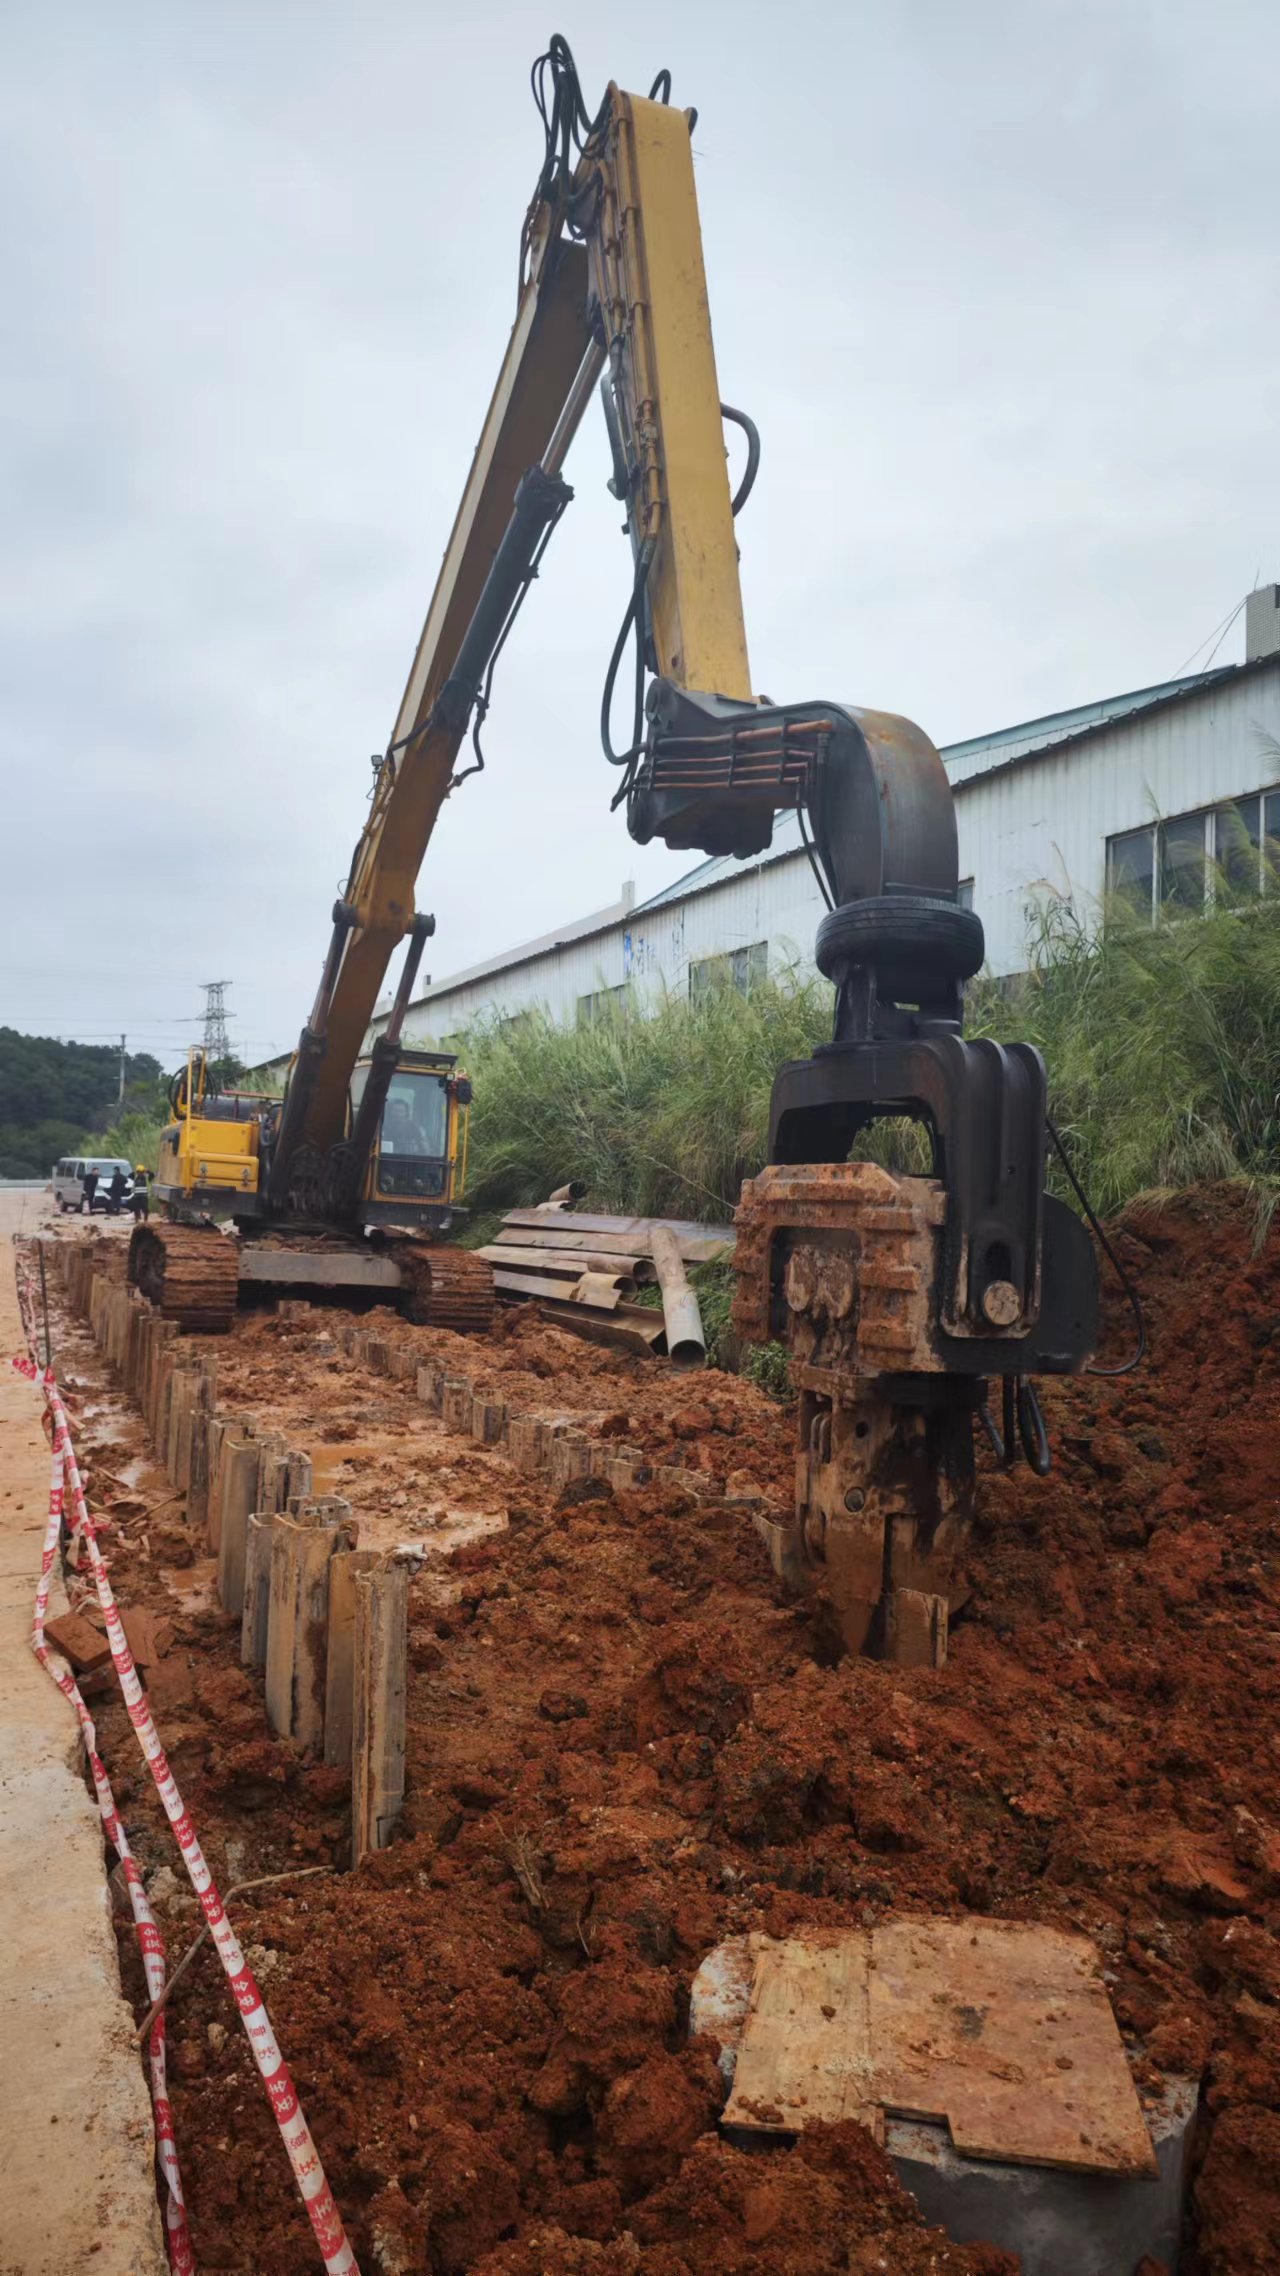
(1221, 630)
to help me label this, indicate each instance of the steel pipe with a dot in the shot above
(686, 1343)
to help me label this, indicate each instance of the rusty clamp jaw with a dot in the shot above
(897, 1296)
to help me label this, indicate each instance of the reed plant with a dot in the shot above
(1162, 1043)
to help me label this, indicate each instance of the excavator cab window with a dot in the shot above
(413, 1143)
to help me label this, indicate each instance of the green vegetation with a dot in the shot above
(663, 1115)
(55, 1097)
(1163, 1047)
(137, 1132)
(135, 1136)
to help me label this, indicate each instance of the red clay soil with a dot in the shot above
(627, 1742)
(713, 1423)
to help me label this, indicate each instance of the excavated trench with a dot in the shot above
(626, 1742)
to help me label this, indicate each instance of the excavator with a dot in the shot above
(901, 1298)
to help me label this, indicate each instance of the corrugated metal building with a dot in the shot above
(1143, 793)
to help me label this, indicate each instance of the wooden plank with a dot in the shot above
(806, 2047)
(633, 1326)
(1006, 2030)
(593, 1289)
(380, 1688)
(339, 1682)
(511, 1254)
(699, 1244)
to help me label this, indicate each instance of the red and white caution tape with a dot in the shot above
(322, 2210)
(151, 1943)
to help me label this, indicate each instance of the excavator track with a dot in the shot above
(447, 1288)
(191, 1273)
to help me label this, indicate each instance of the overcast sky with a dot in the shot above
(999, 282)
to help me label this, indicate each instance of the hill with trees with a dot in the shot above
(55, 1095)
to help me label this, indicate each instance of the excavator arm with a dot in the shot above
(613, 286)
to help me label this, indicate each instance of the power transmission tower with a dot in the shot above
(216, 1044)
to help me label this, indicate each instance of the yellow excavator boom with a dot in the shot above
(613, 284)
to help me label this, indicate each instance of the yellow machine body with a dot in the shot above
(417, 1164)
(211, 1154)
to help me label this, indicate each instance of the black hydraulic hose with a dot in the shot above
(1031, 1428)
(988, 1422)
(1135, 1302)
(807, 842)
(634, 616)
(1009, 1419)
(752, 433)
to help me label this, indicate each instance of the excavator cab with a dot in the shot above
(416, 1171)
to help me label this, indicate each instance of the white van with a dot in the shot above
(70, 1173)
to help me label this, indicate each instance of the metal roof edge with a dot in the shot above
(1204, 684)
(574, 934)
(1128, 699)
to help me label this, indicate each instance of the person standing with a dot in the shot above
(88, 1188)
(140, 1200)
(115, 1191)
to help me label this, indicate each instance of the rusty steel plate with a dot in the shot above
(1002, 2030)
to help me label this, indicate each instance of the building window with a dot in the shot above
(604, 1004)
(964, 893)
(740, 968)
(1188, 860)
(1185, 853)
(1131, 862)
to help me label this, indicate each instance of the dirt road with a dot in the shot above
(76, 2179)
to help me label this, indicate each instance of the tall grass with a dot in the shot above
(662, 1115)
(1162, 1042)
(1163, 1046)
